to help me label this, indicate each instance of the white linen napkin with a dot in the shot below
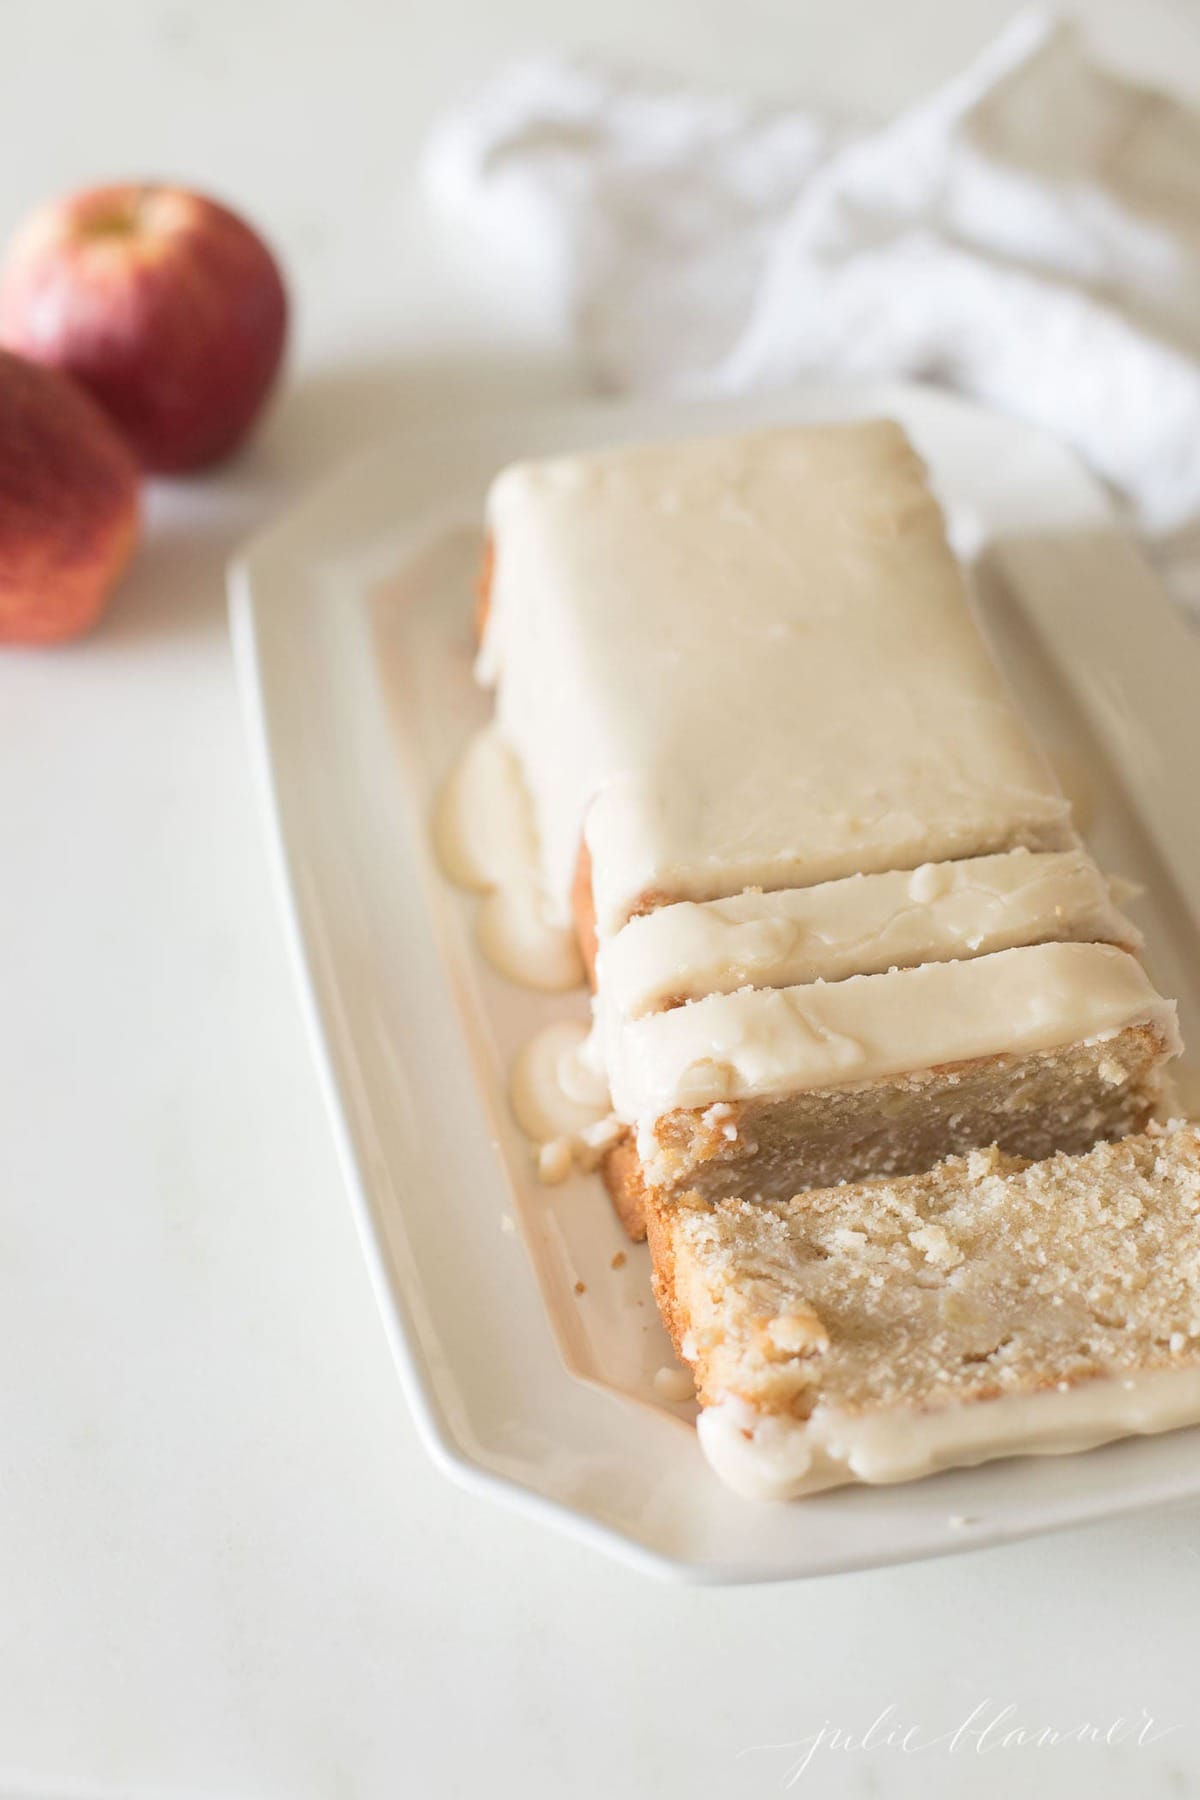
(1029, 234)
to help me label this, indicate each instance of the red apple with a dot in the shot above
(68, 505)
(165, 305)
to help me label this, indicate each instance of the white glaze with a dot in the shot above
(561, 1103)
(554, 1093)
(861, 925)
(769, 1457)
(749, 662)
(485, 840)
(771, 1041)
(674, 1384)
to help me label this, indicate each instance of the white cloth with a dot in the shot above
(1029, 235)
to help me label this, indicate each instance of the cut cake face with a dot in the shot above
(877, 1332)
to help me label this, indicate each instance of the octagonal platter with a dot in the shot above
(521, 1320)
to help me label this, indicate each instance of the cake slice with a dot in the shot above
(879, 1332)
(765, 1092)
(860, 925)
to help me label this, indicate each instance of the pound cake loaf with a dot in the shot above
(985, 1308)
(835, 915)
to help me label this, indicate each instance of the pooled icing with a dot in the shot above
(484, 834)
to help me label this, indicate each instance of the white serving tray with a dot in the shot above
(351, 622)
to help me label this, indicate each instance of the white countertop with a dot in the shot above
(226, 1567)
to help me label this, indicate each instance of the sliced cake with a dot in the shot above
(880, 1331)
(837, 920)
(861, 925)
(767, 1091)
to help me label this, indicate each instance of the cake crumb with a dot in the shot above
(939, 1248)
(618, 1261)
(580, 1288)
(796, 1333)
(983, 1162)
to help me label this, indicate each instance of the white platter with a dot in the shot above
(351, 621)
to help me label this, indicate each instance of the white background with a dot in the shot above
(226, 1567)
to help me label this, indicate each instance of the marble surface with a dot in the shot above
(226, 1567)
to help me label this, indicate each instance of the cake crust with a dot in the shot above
(622, 1171)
